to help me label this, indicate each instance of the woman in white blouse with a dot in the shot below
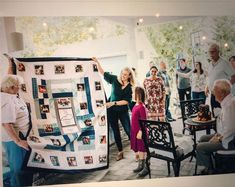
(198, 81)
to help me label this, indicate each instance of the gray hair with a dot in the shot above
(214, 46)
(223, 85)
(9, 81)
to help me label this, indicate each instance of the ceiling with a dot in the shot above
(116, 7)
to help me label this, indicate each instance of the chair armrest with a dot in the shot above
(226, 152)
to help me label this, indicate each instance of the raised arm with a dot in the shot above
(10, 63)
(98, 65)
(185, 75)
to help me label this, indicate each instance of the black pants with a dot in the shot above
(184, 92)
(113, 117)
(214, 104)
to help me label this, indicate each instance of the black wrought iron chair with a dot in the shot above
(189, 108)
(225, 159)
(159, 142)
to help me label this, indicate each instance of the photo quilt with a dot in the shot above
(69, 124)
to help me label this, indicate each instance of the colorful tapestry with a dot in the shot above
(69, 123)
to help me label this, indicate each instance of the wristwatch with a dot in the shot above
(115, 103)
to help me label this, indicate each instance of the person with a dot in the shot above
(183, 84)
(137, 144)
(166, 78)
(218, 69)
(197, 78)
(151, 63)
(232, 62)
(221, 140)
(117, 107)
(15, 123)
(155, 94)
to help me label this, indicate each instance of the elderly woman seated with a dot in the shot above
(15, 123)
(226, 128)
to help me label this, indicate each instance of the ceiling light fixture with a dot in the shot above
(203, 38)
(157, 15)
(141, 20)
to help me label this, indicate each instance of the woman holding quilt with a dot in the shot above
(117, 107)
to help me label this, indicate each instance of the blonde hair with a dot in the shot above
(131, 79)
(10, 81)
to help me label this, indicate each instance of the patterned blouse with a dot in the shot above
(198, 83)
(155, 96)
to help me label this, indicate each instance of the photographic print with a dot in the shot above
(38, 158)
(42, 89)
(39, 69)
(48, 128)
(23, 87)
(56, 142)
(97, 85)
(86, 140)
(34, 139)
(80, 87)
(103, 139)
(99, 103)
(64, 103)
(102, 158)
(21, 67)
(59, 69)
(72, 161)
(83, 106)
(95, 68)
(88, 159)
(44, 109)
(54, 160)
(88, 122)
(78, 68)
(102, 121)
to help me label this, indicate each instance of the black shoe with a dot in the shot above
(171, 119)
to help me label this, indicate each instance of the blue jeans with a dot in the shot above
(15, 157)
(113, 117)
(167, 103)
(198, 95)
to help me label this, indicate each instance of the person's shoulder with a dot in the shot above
(147, 79)
(7, 98)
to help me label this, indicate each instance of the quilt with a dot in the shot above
(69, 123)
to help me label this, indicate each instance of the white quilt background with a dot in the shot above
(69, 122)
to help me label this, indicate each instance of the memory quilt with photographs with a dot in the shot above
(69, 125)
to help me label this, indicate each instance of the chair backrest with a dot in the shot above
(158, 135)
(190, 107)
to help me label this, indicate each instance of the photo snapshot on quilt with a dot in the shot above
(69, 124)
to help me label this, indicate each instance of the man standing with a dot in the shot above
(166, 78)
(183, 84)
(218, 69)
(219, 141)
(232, 62)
